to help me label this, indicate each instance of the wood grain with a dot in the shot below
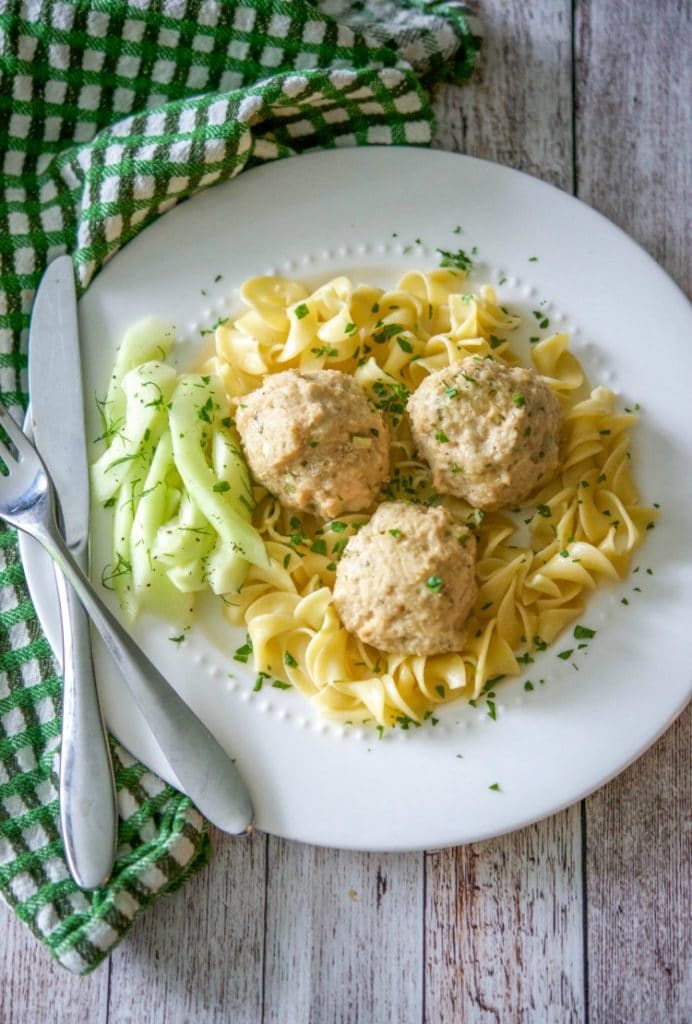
(344, 936)
(633, 142)
(639, 843)
(634, 83)
(517, 109)
(504, 928)
(198, 955)
(33, 987)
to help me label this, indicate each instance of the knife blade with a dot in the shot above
(88, 812)
(55, 388)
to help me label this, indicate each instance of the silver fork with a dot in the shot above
(203, 769)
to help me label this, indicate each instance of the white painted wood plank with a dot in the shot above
(504, 919)
(639, 892)
(33, 987)
(504, 937)
(196, 956)
(517, 108)
(344, 937)
(634, 82)
(633, 138)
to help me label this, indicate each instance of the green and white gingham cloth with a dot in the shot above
(111, 113)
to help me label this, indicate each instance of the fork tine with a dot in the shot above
(6, 455)
(15, 434)
(17, 449)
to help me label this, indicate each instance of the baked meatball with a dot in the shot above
(489, 431)
(312, 440)
(405, 582)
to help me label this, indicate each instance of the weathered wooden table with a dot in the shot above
(584, 916)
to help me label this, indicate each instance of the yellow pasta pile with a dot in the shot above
(535, 566)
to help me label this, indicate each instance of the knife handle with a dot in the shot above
(88, 807)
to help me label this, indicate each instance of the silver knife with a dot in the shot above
(88, 809)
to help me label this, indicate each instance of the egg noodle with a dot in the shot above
(534, 568)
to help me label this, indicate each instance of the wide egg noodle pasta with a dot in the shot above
(586, 525)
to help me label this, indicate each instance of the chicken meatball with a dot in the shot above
(312, 440)
(490, 432)
(405, 582)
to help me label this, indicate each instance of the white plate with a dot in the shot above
(362, 212)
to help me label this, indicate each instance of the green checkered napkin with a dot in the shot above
(110, 114)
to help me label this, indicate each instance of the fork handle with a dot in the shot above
(88, 809)
(203, 769)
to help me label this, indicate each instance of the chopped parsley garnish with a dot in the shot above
(441, 437)
(495, 787)
(244, 652)
(583, 633)
(177, 639)
(290, 660)
(525, 659)
(386, 332)
(495, 342)
(395, 533)
(279, 684)
(539, 643)
(566, 654)
(518, 399)
(451, 392)
(221, 486)
(440, 690)
(391, 398)
(261, 676)
(543, 320)
(434, 583)
(219, 323)
(338, 527)
(301, 311)
(459, 260)
(544, 510)
(204, 410)
(404, 345)
(324, 350)
(319, 547)
(528, 686)
(533, 259)
(350, 328)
